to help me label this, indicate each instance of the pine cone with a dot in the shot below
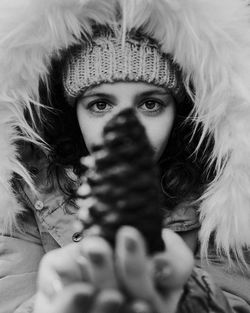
(124, 183)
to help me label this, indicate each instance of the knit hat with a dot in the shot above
(210, 41)
(109, 58)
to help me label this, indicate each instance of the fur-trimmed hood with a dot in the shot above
(209, 39)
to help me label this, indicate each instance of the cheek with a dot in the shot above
(91, 135)
(91, 130)
(158, 137)
(158, 132)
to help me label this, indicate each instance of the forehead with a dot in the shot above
(119, 88)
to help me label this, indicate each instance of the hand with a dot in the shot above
(89, 275)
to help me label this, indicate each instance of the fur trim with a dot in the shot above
(209, 39)
(24, 60)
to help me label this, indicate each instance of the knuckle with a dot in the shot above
(48, 259)
(140, 306)
(111, 296)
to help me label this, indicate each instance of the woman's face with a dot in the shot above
(154, 107)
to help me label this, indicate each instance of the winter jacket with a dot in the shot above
(48, 224)
(210, 41)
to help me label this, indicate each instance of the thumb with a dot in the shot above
(173, 267)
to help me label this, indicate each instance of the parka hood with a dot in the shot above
(209, 39)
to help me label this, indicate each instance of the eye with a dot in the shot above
(151, 106)
(100, 106)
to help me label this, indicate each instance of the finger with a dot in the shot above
(109, 301)
(71, 299)
(76, 298)
(139, 306)
(100, 257)
(62, 267)
(132, 263)
(173, 267)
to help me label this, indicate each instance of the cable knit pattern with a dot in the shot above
(108, 59)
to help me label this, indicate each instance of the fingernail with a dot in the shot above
(130, 245)
(96, 258)
(161, 275)
(161, 270)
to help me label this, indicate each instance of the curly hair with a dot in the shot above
(184, 172)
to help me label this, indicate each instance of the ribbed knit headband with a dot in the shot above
(109, 59)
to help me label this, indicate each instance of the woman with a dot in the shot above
(207, 40)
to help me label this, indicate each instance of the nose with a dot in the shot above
(125, 104)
